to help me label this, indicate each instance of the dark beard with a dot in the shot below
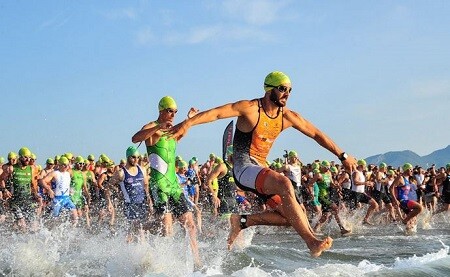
(274, 99)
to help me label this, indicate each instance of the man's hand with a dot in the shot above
(192, 112)
(350, 163)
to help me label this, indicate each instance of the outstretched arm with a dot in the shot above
(225, 111)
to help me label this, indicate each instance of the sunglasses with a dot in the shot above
(134, 157)
(171, 111)
(80, 163)
(282, 89)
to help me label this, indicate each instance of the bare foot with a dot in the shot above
(317, 250)
(346, 232)
(235, 229)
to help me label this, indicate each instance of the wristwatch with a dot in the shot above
(343, 156)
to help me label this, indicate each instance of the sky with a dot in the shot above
(85, 76)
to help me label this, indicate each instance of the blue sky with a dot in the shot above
(84, 76)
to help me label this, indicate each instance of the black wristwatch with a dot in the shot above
(343, 156)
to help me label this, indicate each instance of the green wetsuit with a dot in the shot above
(163, 179)
(77, 187)
(21, 183)
(324, 188)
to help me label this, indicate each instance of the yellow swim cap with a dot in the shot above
(167, 102)
(274, 79)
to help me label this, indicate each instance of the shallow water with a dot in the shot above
(264, 251)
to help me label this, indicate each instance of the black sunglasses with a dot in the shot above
(283, 89)
(171, 111)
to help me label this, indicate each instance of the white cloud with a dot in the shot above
(255, 12)
(145, 36)
(125, 13)
(431, 89)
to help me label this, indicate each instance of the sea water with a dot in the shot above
(381, 250)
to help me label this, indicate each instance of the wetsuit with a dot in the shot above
(168, 197)
(77, 186)
(251, 150)
(22, 202)
(324, 192)
(133, 192)
(227, 192)
(446, 190)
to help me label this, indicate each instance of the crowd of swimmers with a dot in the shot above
(87, 190)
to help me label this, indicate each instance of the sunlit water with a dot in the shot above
(264, 251)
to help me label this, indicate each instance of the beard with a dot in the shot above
(275, 99)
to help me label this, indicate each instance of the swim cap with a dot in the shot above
(315, 166)
(122, 161)
(277, 165)
(167, 102)
(2, 160)
(219, 160)
(194, 159)
(230, 150)
(362, 162)
(50, 161)
(24, 152)
(110, 163)
(69, 156)
(325, 163)
(33, 156)
(212, 155)
(407, 166)
(63, 160)
(292, 153)
(315, 171)
(57, 157)
(334, 169)
(12, 155)
(181, 164)
(274, 79)
(447, 166)
(178, 158)
(91, 157)
(39, 167)
(132, 150)
(191, 162)
(390, 172)
(79, 159)
(383, 165)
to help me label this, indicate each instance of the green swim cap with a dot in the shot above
(218, 160)
(122, 161)
(325, 163)
(334, 169)
(24, 152)
(12, 155)
(132, 150)
(316, 170)
(178, 158)
(39, 167)
(315, 166)
(407, 166)
(362, 162)
(212, 155)
(191, 162)
(278, 165)
(57, 157)
(69, 156)
(447, 166)
(50, 161)
(167, 102)
(91, 157)
(110, 163)
(194, 159)
(63, 160)
(274, 79)
(79, 159)
(182, 163)
(390, 172)
(292, 154)
(33, 156)
(383, 165)
(2, 160)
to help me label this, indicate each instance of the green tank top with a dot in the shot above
(163, 179)
(21, 182)
(324, 186)
(76, 184)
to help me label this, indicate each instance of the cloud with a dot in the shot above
(255, 12)
(145, 36)
(125, 13)
(431, 89)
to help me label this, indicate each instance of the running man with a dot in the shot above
(259, 123)
(168, 197)
(133, 180)
(25, 198)
(400, 189)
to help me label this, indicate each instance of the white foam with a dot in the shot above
(416, 261)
